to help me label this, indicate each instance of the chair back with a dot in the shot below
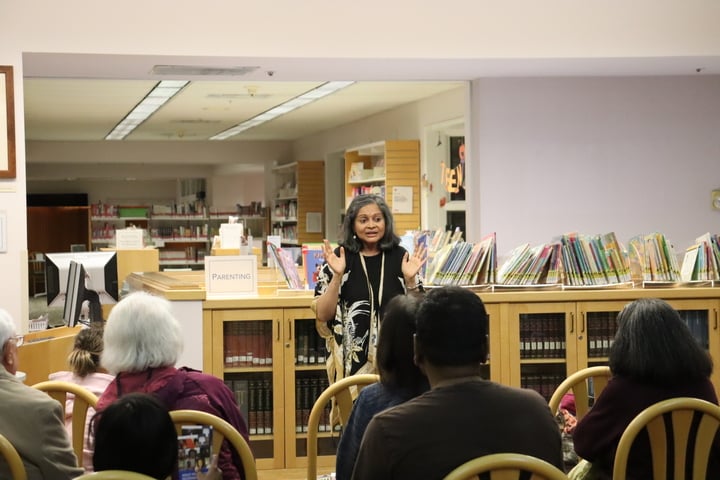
(114, 475)
(222, 430)
(84, 399)
(344, 392)
(578, 383)
(12, 458)
(682, 428)
(507, 466)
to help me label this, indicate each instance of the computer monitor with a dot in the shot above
(100, 273)
(82, 305)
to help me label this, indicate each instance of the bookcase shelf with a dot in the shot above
(299, 191)
(379, 168)
(183, 239)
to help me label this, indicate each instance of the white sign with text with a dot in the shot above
(230, 276)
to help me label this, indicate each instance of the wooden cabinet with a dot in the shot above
(545, 341)
(298, 207)
(274, 361)
(390, 169)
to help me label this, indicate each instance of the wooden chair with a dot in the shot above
(578, 384)
(12, 458)
(342, 392)
(84, 399)
(684, 442)
(222, 430)
(507, 466)
(114, 475)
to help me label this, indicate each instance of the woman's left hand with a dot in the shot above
(411, 263)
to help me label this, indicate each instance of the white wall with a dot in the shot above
(629, 155)
(230, 190)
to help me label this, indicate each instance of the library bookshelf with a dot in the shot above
(299, 202)
(382, 167)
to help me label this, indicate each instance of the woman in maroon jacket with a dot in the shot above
(142, 342)
(654, 357)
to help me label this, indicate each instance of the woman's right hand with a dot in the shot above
(335, 262)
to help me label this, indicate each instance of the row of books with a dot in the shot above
(601, 330)
(247, 344)
(464, 263)
(656, 257)
(307, 389)
(255, 399)
(702, 259)
(544, 383)
(310, 348)
(542, 336)
(573, 259)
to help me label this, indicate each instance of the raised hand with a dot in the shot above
(336, 263)
(412, 263)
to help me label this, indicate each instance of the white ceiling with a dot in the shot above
(63, 109)
(81, 97)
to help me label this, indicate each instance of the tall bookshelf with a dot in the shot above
(298, 206)
(390, 168)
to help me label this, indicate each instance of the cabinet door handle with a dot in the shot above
(277, 337)
(715, 327)
(572, 322)
(290, 336)
(582, 324)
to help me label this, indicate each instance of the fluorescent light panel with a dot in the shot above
(156, 98)
(310, 96)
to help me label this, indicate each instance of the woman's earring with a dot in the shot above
(354, 237)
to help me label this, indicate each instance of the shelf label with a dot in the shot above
(230, 276)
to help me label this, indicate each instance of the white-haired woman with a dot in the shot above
(142, 342)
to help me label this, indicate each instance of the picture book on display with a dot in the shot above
(313, 259)
(286, 264)
(194, 451)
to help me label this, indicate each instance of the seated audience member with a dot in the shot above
(30, 419)
(142, 342)
(135, 433)
(400, 378)
(84, 359)
(653, 357)
(463, 416)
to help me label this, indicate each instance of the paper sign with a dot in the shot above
(230, 235)
(230, 276)
(129, 238)
(402, 199)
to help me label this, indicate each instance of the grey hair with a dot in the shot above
(7, 327)
(141, 333)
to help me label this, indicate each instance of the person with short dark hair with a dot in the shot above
(400, 378)
(356, 282)
(463, 416)
(135, 433)
(143, 339)
(654, 357)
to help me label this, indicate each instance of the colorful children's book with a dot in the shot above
(313, 259)
(194, 451)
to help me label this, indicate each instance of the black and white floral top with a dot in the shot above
(351, 326)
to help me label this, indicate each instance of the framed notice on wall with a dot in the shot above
(7, 123)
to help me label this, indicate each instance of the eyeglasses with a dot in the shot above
(19, 339)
